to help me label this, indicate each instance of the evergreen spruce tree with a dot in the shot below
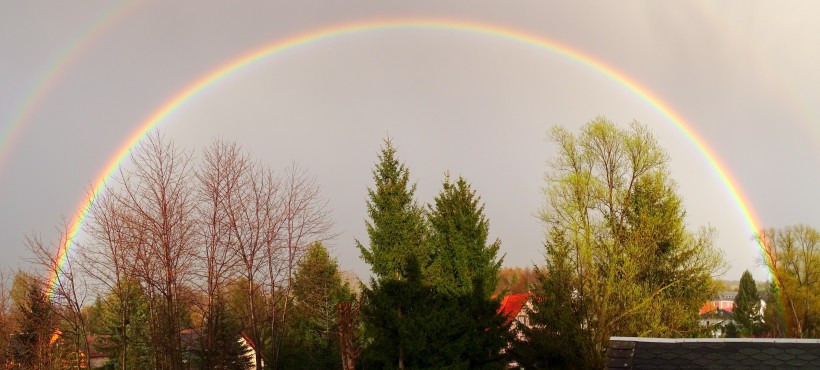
(121, 326)
(31, 347)
(731, 330)
(225, 350)
(392, 317)
(485, 332)
(318, 290)
(397, 251)
(430, 329)
(421, 316)
(746, 313)
(561, 344)
(459, 230)
(396, 227)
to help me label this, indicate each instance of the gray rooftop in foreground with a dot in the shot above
(709, 353)
(716, 340)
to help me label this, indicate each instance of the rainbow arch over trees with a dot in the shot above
(337, 31)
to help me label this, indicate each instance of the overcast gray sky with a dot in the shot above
(742, 73)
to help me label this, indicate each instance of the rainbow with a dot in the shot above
(350, 29)
(69, 54)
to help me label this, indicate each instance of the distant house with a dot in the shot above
(98, 356)
(709, 353)
(723, 300)
(250, 348)
(191, 344)
(716, 319)
(512, 306)
(718, 311)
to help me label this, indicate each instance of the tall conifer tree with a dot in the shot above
(397, 247)
(747, 309)
(396, 227)
(413, 319)
(318, 290)
(459, 241)
(31, 347)
(432, 330)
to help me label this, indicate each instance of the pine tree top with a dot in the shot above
(396, 224)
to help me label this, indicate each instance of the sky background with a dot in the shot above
(77, 79)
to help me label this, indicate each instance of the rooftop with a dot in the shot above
(708, 353)
(512, 304)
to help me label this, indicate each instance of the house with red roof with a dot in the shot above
(512, 306)
(724, 301)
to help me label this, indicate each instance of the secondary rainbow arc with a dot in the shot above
(171, 105)
(55, 71)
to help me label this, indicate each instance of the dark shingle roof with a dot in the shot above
(656, 353)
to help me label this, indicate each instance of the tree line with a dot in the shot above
(188, 256)
(184, 256)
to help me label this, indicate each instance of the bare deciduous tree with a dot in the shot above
(5, 322)
(222, 174)
(109, 260)
(305, 219)
(157, 199)
(180, 236)
(240, 221)
(67, 292)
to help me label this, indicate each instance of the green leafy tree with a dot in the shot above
(458, 239)
(318, 290)
(633, 267)
(774, 317)
(747, 310)
(120, 325)
(396, 227)
(793, 254)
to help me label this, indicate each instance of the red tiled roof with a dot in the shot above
(709, 306)
(511, 305)
(248, 340)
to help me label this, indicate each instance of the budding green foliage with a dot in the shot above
(620, 260)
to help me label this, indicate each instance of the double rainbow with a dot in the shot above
(350, 29)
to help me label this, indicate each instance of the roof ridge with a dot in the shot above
(714, 340)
